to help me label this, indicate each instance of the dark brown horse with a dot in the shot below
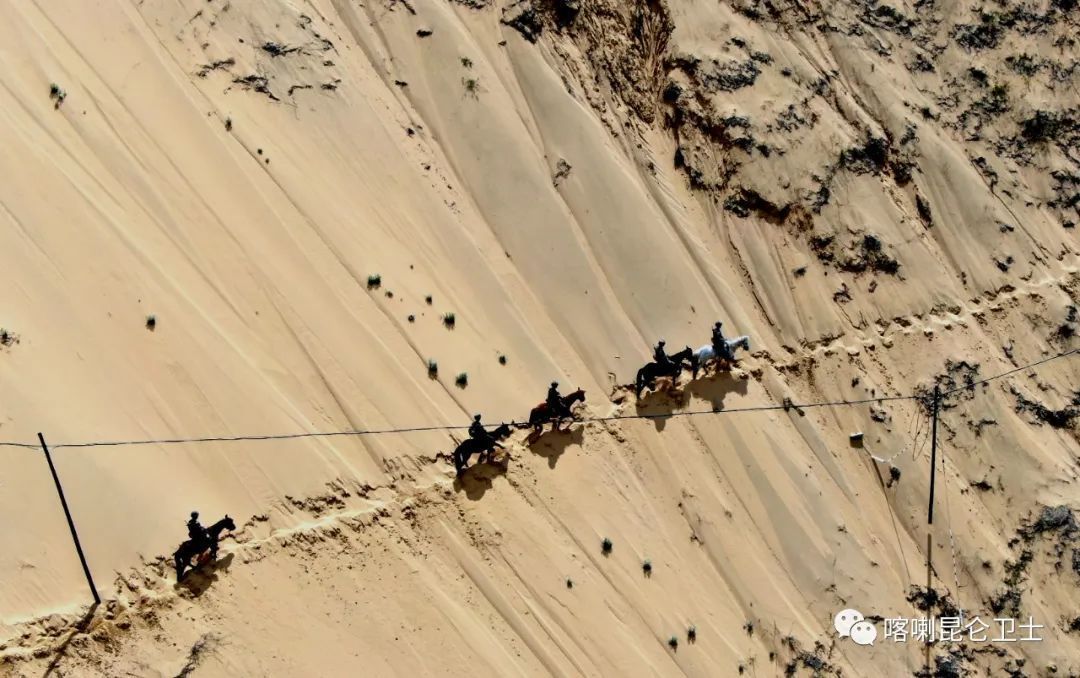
(542, 414)
(646, 376)
(200, 551)
(471, 446)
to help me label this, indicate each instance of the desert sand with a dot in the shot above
(881, 194)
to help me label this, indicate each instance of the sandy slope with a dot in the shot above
(238, 169)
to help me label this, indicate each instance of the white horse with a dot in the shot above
(707, 353)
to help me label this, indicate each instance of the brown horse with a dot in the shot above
(542, 414)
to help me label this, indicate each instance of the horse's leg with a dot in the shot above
(180, 566)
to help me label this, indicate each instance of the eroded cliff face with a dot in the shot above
(881, 195)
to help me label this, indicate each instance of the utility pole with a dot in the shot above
(933, 453)
(71, 523)
(930, 509)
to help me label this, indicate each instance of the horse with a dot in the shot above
(707, 353)
(484, 448)
(648, 374)
(201, 553)
(540, 414)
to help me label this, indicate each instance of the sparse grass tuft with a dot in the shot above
(432, 368)
(151, 322)
(691, 634)
(202, 647)
(466, 62)
(569, 583)
(412, 318)
(502, 359)
(646, 567)
(472, 86)
(673, 643)
(449, 320)
(57, 95)
(606, 546)
(374, 281)
(428, 299)
(228, 124)
(462, 380)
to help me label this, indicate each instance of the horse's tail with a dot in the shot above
(639, 381)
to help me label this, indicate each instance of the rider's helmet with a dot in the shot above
(476, 417)
(194, 515)
(554, 384)
(660, 343)
(718, 324)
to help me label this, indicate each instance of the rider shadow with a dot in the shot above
(199, 580)
(553, 444)
(716, 386)
(476, 480)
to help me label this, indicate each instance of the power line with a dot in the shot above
(248, 438)
(416, 429)
(1013, 371)
(787, 405)
(23, 445)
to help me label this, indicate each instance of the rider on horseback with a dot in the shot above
(477, 432)
(555, 401)
(719, 344)
(196, 532)
(660, 356)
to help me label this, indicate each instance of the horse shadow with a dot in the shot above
(716, 386)
(553, 444)
(199, 580)
(477, 479)
(659, 406)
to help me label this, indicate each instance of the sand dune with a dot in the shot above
(879, 194)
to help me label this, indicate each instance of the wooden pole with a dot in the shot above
(71, 523)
